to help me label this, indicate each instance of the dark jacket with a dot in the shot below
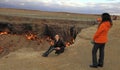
(59, 43)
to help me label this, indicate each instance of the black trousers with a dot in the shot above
(52, 48)
(100, 47)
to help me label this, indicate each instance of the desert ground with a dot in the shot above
(76, 57)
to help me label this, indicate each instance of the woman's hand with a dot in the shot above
(57, 48)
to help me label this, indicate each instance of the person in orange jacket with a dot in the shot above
(100, 39)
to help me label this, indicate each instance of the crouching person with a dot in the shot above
(57, 45)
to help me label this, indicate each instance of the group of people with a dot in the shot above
(99, 40)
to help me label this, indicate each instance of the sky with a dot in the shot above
(73, 6)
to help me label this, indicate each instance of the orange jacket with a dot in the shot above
(101, 33)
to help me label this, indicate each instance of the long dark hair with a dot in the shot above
(106, 17)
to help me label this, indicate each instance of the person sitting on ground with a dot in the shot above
(57, 45)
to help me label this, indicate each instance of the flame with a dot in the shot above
(31, 36)
(67, 44)
(3, 33)
(52, 42)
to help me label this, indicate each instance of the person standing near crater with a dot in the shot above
(100, 39)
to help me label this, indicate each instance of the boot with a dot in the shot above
(45, 55)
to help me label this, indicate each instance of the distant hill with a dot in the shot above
(46, 14)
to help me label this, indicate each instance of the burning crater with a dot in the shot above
(38, 35)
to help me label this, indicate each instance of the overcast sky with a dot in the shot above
(74, 6)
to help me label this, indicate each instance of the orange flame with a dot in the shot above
(31, 36)
(67, 44)
(3, 33)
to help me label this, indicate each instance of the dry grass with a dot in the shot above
(42, 14)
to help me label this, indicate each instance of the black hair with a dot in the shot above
(106, 17)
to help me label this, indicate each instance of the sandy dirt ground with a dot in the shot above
(75, 57)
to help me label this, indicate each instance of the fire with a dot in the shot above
(67, 44)
(31, 36)
(52, 42)
(3, 33)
